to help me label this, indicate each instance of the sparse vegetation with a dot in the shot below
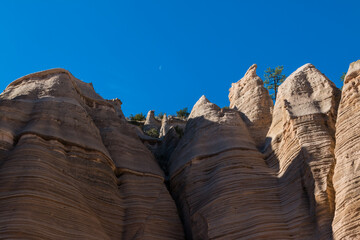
(273, 79)
(183, 113)
(226, 107)
(152, 133)
(342, 78)
(160, 115)
(137, 117)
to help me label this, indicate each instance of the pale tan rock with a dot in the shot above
(151, 122)
(300, 148)
(347, 169)
(252, 99)
(72, 168)
(221, 182)
(164, 126)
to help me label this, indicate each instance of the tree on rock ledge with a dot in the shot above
(183, 113)
(273, 79)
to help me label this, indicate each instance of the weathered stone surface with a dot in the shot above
(221, 182)
(300, 148)
(346, 224)
(72, 168)
(169, 122)
(252, 99)
(164, 126)
(151, 122)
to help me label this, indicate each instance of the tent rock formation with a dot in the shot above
(72, 167)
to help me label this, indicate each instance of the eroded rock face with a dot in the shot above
(70, 167)
(300, 146)
(347, 169)
(294, 173)
(151, 122)
(220, 180)
(252, 99)
(164, 126)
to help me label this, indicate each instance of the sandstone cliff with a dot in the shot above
(300, 146)
(346, 223)
(220, 180)
(72, 167)
(252, 99)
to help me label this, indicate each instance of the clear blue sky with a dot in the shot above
(163, 55)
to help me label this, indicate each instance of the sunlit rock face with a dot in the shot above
(252, 99)
(346, 223)
(71, 168)
(151, 122)
(221, 183)
(300, 147)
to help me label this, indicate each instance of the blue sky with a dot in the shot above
(163, 55)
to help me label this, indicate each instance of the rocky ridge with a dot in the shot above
(72, 167)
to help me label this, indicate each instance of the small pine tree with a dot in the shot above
(183, 113)
(137, 117)
(160, 115)
(273, 79)
(342, 78)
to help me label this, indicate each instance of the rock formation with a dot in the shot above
(346, 223)
(171, 122)
(151, 122)
(72, 167)
(220, 180)
(300, 146)
(164, 126)
(252, 99)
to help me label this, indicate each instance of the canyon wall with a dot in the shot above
(71, 166)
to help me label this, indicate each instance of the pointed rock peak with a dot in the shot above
(353, 71)
(252, 99)
(202, 100)
(164, 119)
(305, 67)
(150, 118)
(307, 91)
(150, 114)
(203, 107)
(302, 77)
(251, 72)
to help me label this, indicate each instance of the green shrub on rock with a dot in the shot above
(152, 133)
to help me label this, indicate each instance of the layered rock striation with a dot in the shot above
(300, 147)
(347, 152)
(70, 166)
(252, 99)
(220, 180)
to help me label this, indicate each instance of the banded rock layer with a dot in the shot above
(346, 224)
(72, 168)
(220, 180)
(300, 148)
(252, 100)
